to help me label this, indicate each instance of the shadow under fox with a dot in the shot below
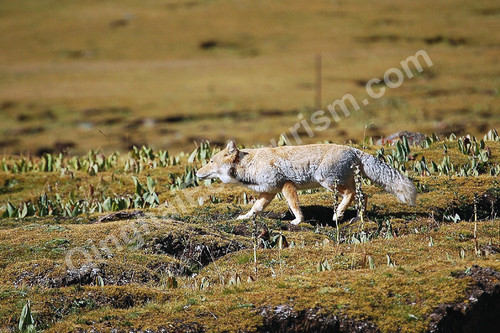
(289, 168)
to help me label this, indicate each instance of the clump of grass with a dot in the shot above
(45, 205)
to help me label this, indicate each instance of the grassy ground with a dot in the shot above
(92, 247)
(110, 75)
(189, 265)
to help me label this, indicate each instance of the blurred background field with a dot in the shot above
(80, 75)
(87, 75)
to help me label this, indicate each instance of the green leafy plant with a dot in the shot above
(371, 262)
(171, 282)
(145, 196)
(430, 140)
(323, 266)
(202, 153)
(99, 281)
(390, 262)
(26, 321)
(492, 135)
(235, 280)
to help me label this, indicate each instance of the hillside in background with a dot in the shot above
(80, 75)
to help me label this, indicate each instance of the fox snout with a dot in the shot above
(203, 172)
(201, 175)
(220, 165)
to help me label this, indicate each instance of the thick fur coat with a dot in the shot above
(288, 168)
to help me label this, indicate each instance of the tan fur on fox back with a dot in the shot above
(268, 169)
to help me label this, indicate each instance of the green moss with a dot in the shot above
(136, 256)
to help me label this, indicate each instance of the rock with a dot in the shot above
(414, 138)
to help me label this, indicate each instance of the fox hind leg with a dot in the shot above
(290, 193)
(348, 191)
(259, 205)
(348, 197)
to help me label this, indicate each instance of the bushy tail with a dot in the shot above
(387, 177)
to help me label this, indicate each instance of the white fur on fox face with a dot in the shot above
(227, 179)
(224, 174)
(205, 172)
(216, 170)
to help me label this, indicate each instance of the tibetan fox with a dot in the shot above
(288, 168)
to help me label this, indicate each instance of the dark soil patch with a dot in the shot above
(30, 130)
(60, 304)
(487, 206)
(7, 105)
(453, 41)
(451, 92)
(182, 4)
(479, 312)
(316, 214)
(56, 148)
(488, 11)
(209, 44)
(196, 254)
(44, 150)
(8, 143)
(212, 44)
(228, 114)
(88, 274)
(120, 23)
(379, 38)
(121, 215)
(122, 110)
(64, 146)
(283, 318)
(446, 129)
(43, 115)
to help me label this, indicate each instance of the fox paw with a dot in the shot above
(245, 216)
(296, 221)
(337, 217)
(355, 219)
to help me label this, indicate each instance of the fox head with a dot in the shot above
(221, 165)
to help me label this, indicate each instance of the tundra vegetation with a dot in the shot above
(108, 108)
(147, 260)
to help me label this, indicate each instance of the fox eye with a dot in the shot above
(211, 161)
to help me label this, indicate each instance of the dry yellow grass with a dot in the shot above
(80, 75)
(147, 58)
(83, 273)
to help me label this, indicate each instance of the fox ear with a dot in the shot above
(231, 147)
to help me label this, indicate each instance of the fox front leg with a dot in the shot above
(259, 205)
